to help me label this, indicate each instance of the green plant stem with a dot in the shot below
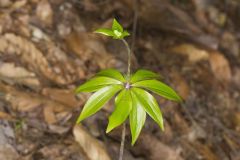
(129, 59)
(122, 142)
(128, 79)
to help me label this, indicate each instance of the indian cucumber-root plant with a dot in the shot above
(132, 92)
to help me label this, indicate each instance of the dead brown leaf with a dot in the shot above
(44, 12)
(5, 3)
(64, 96)
(27, 102)
(23, 102)
(62, 151)
(220, 67)
(193, 53)
(18, 4)
(49, 115)
(182, 87)
(32, 56)
(19, 75)
(62, 64)
(180, 123)
(153, 149)
(92, 147)
(88, 48)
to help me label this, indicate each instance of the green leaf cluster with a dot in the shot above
(117, 31)
(132, 99)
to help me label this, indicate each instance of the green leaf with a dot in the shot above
(120, 35)
(143, 74)
(125, 34)
(112, 73)
(97, 100)
(137, 118)
(123, 103)
(150, 105)
(159, 88)
(105, 31)
(117, 34)
(116, 26)
(96, 83)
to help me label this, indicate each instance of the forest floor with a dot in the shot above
(47, 49)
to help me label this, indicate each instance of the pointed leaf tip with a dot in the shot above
(112, 73)
(159, 88)
(123, 103)
(116, 32)
(150, 105)
(97, 100)
(144, 74)
(137, 118)
(117, 26)
(105, 31)
(97, 83)
(125, 34)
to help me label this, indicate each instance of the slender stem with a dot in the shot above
(128, 79)
(129, 59)
(122, 142)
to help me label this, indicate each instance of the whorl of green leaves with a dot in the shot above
(132, 96)
(132, 99)
(116, 32)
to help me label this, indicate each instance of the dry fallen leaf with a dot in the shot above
(193, 53)
(92, 147)
(155, 149)
(32, 56)
(44, 12)
(55, 114)
(5, 3)
(64, 96)
(27, 101)
(52, 115)
(181, 84)
(13, 74)
(169, 17)
(18, 4)
(180, 123)
(220, 67)
(49, 115)
(65, 150)
(87, 47)
(23, 102)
